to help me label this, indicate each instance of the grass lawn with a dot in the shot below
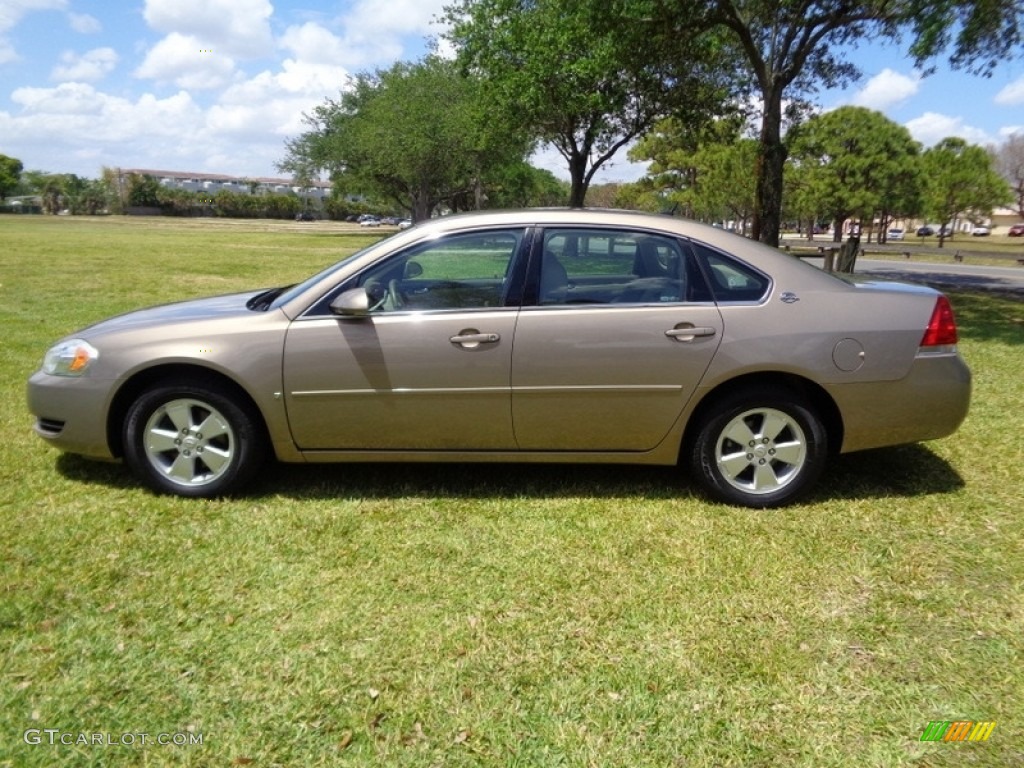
(489, 615)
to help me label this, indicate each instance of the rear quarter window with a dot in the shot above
(732, 280)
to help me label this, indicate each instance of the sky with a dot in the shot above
(218, 86)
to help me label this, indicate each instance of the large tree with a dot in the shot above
(585, 76)
(794, 48)
(855, 162)
(10, 175)
(961, 182)
(415, 135)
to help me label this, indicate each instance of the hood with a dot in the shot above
(214, 308)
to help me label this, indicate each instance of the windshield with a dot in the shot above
(289, 293)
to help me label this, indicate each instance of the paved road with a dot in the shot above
(963, 276)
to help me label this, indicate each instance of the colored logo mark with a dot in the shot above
(957, 730)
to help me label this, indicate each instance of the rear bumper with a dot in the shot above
(930, 402)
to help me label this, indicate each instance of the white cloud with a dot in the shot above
(373, 36)
(887, 89)
(74, 121)
(239, 28)
(90, 66)
(1012, 94)
(84, 24)
(12, 11)
(77, 112)
(313, 43)
(271, 105)
(183, 60)
(931, 128)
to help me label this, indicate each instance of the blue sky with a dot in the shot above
(218, 85)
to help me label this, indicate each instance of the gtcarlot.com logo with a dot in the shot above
(54, 736)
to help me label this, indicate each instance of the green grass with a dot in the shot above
(993, 250)
(490, 615)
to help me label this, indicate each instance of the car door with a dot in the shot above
(425, 368)
(621, 333)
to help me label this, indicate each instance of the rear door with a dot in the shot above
(620, 335)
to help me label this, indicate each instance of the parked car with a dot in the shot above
(946, 231)
(532, 336)
(925, 231)
(981, 231)
(305, 216)
(1017, 230)
(894, 234)
(369, 221)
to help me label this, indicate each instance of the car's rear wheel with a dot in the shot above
(759, 448)
(191, 439)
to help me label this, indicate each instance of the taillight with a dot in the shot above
(941, 329)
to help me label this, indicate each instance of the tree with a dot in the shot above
(706, 171)
(1010, 159)
(49, 187)
(10, 175)
(855, 162)
(582, 75)
(793, 49)
(143, 191)
(416, 135)
(961, 181)
(520, 185)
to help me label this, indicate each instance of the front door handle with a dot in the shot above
(470, 339)
(689, 332)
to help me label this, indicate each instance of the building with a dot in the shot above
(212, 183)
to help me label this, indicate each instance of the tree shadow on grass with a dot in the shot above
(906, 471)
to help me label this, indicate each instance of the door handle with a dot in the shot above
(689, 332)
(472, 339)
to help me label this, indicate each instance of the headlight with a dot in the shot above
(70, 358)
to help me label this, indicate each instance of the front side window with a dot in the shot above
(599, 266)
(464, 271)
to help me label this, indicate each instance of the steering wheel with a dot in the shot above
(394, 299)
(377, 294)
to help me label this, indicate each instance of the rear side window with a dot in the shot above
(731, 279)
(616, 266)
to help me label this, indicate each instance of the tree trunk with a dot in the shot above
(422, 205)
(578, 178)
(771, 163)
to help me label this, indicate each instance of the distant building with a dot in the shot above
(213, 183)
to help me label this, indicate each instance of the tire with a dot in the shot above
(192, 439)
(759, 448)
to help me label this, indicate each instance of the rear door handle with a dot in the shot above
(689, 332)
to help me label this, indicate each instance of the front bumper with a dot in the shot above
(71, 412)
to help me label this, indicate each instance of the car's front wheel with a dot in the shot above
(191, 439)
(759, 448)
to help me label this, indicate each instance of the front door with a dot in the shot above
(427, 369)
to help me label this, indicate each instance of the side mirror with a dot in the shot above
(352, 303)
(412, 269)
